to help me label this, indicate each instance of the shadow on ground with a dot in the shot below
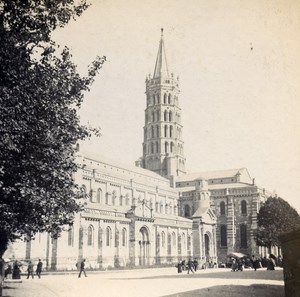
(234, 291)
(7, 288)
(247, 274)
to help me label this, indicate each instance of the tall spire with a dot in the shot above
(161, 65)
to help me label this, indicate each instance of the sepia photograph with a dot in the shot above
(149, 148)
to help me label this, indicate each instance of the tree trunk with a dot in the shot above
(1, 275)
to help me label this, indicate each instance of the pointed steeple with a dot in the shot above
(161, 65)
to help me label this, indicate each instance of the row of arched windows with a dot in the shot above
(172, 239)
(154, 131)
(155, 116)
(243, 207)
(243, 236)
(169, 147)
(113, 200)
(165, 208)
(155, 99)
(91, 236)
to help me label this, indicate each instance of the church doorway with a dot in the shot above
(144, 247)
(207, 246)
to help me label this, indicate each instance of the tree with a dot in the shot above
(275, 217)
(40, 94)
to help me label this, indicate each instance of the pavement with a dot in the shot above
(152, 282)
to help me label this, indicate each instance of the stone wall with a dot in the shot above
(291, 262)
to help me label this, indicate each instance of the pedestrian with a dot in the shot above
(255, 263)
(39, 268)
(16, 271)
(190, 266)
(82, 264)
(8, 271)
(30, 270)
(179, 267)
(234, 266)
(195, 264)
(271, 264)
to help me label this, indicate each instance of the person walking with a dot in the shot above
(190, 265)
(16, 271)
(82, 268)
(39, 268)
(30, 270)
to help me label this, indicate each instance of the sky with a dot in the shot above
(238, 64)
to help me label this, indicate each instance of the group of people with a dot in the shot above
(13, 271)
(238, 264)
(190, 266)
(38, 271)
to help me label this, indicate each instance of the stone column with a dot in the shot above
(158, 244)
(117, 245)
(230, 225)
(100, 246)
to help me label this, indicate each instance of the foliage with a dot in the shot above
(40, 93)
(275, 217)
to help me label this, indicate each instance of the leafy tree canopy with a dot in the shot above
(40, 93)
(275, 217)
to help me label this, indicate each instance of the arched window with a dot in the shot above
(166, 147)
(108, 236)
(172, 147)
(157, 116)
(158, 99)
(99, 196)
(157, 147)
(243, 235)
(71, 235)
(152, 148)
(106, 198)
(223, 235)
(174, 239)
(152, 116)
(187, 211)
(124, 236)
(161, 207)
(165, 115)
(171, 131)
(244, 207)
(127, 199)
(222, 208)
(170, 116)
(152, 132)
(165, 98)
(183, 239)
(157, 131)
(121, 200)
(166, 130)
(153, 99)
(169, 99)
(163, 239)
(90, 236)
(114, 196)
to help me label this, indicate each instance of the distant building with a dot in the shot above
(154, 213)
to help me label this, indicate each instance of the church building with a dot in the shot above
(154, 213)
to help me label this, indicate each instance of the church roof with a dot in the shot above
(118, 169)
(161, 65)
(215, 174)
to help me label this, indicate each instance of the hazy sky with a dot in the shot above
(239, 69)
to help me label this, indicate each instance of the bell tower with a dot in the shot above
(163, 146)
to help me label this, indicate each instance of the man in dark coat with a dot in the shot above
(30, 270)
(82, 265)
(39, 268)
